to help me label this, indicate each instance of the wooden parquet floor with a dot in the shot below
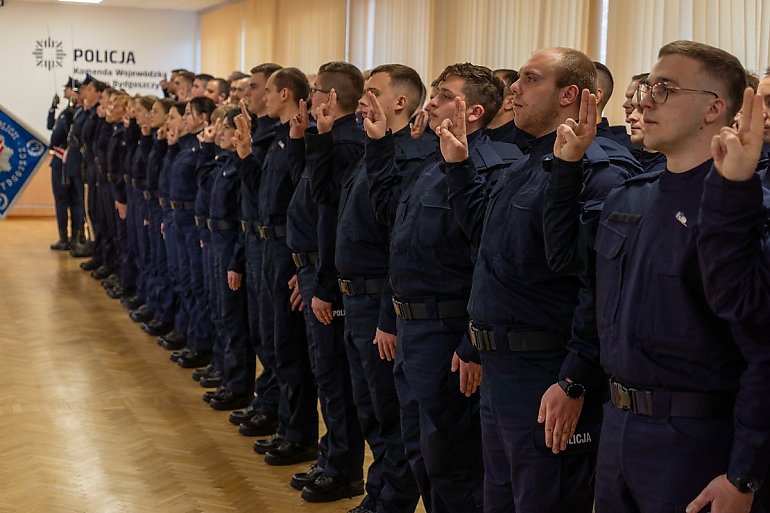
(93, 415)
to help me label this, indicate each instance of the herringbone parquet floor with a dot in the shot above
(93, 415)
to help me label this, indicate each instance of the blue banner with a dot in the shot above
(21, 153)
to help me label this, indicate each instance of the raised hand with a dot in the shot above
(172, 136)
(574, 137)
(736, 152)
(324, 113)
(209, 132)
(161, 135)
(375, 122)
(452, 135)
(299, 122)
(420, 123)
(242, 137)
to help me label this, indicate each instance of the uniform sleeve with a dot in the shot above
(561, 216)
(326, 287)
(327, 163)
(734, 249)
(468, 197)
(384, 180)
(387, 319)
(295, 155)
(237, 261)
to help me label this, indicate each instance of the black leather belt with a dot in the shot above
(275, 231)
(517, 341)
(221, 225)
(182, 205)
(443, 310)
(359, 286)
(664, 403)
(249, 227)
(138, 183)
(163, 202)
(304, 259)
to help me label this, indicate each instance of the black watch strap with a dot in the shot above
(573, 390)
(745, 484)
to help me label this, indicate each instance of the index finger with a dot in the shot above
(459, 120)
(244, 110)
(751, 113)
(332, 99)
(302, 110)
(583, 114)
(374, 104)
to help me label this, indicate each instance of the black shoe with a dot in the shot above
(213, 380)
(176, 355)
(239, 416)
(132, 302)
(81, 250)
(263, 445)
(142, 314)
(156, 328)
(229, 401)
(211, 394)
(360, 509)
(202, 372)
(100, 272)
(115, 292)
(110, 281)
(289, 453)
(89, 265)
(61, 245)
(260, 424)
(172, 342)
(302, 479)
(328, 489)
(194, 359)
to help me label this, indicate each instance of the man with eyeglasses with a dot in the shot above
(686, 427)
(650, 160)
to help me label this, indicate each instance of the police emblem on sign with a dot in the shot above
(49, 53)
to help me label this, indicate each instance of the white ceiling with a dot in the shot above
(175, 5)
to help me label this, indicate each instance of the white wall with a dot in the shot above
(159, 41)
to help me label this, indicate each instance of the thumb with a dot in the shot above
(455, 362)
(699, 502)
(368, 125)
(542, 413)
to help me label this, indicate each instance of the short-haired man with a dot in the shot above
(217, 90)
(503, 128)
(237, 90)
(605, 86)
(522, 313)
(392, 93)
(431, 266)
(331, 149)
(261, 414)
(651, 161)
(681, 424)
(200, 82)
(183, 84)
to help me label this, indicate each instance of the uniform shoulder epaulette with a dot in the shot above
(509, 152)
(606, 150)
(267, 136)
(643, 178)
(409, 149)
(494, 154)
(352, 136)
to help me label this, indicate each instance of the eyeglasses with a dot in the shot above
(316, 90)
(660, 91)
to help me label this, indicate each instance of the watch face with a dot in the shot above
(575, 391)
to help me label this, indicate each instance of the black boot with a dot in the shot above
(79, 247)
(61, 245)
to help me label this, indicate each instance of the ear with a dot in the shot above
(716, 112)
(508, 103)
(569, 95)
(400, 105)
(475, 113)
(284, 94)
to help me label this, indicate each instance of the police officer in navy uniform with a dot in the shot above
(503, 127)
(681, 430)
(331, 149)
(362, 254)
(267, 174)
(606, 84)
(64, 191)
(521, 311)
(431, 266)
(260, 417)
(650, 161)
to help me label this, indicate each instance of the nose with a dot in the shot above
(645, 99)
(515, 87)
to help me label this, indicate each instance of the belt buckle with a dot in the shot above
(623, 397)
(198, 221)
(346, 287)
(263, 232)
(403, 310)
(481, 339)
(244, 226)
(298, 261)
(147, 195)
(173, 204)
(210, 224)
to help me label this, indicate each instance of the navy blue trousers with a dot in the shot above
(260, 325)
(163, 295)
(68, 201)
(298, 412)
(239, 357)
(190, 273)
(390, 484)
(344, 458)
(659, 465)
(520, 473)
(450, 429)
(219, 334)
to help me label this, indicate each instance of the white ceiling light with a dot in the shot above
(81, 1)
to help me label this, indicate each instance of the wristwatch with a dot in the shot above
(745, 484)
(573, 390)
